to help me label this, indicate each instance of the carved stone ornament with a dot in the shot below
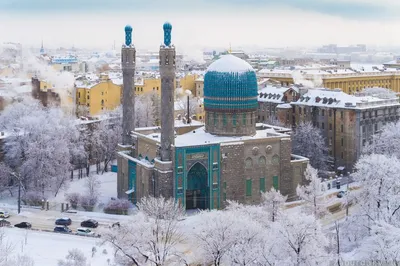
(268, 149)
(255, 150)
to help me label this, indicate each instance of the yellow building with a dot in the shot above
(99, 95)
(188, 82)
(199, 87)
(348, 80)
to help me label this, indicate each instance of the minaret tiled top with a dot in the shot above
(167, 33)
(128, 35)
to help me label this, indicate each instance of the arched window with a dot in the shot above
(248, 163)
(262, 161)
(275, 159)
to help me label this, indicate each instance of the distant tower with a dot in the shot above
(167, 72)
(128, 58)
(42, 49)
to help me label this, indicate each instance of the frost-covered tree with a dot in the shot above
(75, 257)
(383, 245)
(312, 193)
(273, 201)
(151, 237)
(308, 141)
(144, 111)
(386, 142)
(301, 240)
(111, 136)
(182, 103)
(38, 146)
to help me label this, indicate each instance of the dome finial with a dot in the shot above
(167, 33)
(128, 35)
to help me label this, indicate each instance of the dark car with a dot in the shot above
(23, 225)
(340, 194)
(4, 222)
(63, 221)
(62, 229)
(90, 223)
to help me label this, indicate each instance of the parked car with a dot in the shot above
(4, 214)
(90, 223)
(63, 221)
(84, 232)
(23, 225)
(4, 222)
(62, 229)
(340, 194)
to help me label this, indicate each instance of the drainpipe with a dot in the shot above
(334, 138)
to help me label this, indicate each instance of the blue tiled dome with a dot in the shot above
(230, 84)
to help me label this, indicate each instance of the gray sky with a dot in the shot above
(268, 23)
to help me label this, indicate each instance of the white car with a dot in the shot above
(84, 232)
(4, 214)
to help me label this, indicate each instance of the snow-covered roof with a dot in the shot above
(230, 63)
(339, 99)
(200, 137)
(284, 105)
(272, 94)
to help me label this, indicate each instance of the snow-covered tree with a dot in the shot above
(182, 103)
(144, 111)
(308, 141)
(386, 142)
(151, 237)
(301, 240)
(383, 245)
(75, 257)
(93, 185)
(312, 192)
(273, 201)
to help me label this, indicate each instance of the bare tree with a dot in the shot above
(75, 257)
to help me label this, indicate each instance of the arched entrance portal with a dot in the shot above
(197, 191)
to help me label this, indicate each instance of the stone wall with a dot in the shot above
(230, 124)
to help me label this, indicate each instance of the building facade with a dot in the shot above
(230, 158)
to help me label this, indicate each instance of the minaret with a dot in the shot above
(167, 72)
(128, 58)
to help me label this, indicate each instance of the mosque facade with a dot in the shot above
(230, 157)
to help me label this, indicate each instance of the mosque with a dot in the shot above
(231, 157)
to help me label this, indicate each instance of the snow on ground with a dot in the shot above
(47, 248)
(108, 188)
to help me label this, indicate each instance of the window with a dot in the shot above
(300, 110)
(224, 119)
(244, 119)
(88, 97)
(323, 112)
(262, 184)
(215, 119)
(157, 88)
(248, 163)
(323, 125)
(364, 115)
(330, 126)
(376, 127)
(141, 89)
(102, 93)
(317, 124)
(102, 102)
(330, 112)
(248, 187)
(330, 141)
(234, 120)
(275, 182)
(342, 141)
(341, 114)
(376, 113)
(79, 95)
(341, 128)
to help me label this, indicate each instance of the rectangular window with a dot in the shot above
(323, 125)
(262, 184)
(88, 97)
(376, 113)
(224, 119)
(341, 114)
(300, 110)
(342, 141)
(234, 120)
(323, 112)
(215, 119)
(244, 119)
(330, 112)
(275, 182)
(341, 128)
(79, 95)
(376, 127)
(330, 141)
(330, 126)
(248, 187)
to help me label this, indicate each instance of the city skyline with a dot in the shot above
(97, 24)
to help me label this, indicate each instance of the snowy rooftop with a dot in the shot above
(272, 94)
(230, 63)
(339, 99)
(200, 137)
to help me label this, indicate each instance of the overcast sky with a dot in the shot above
(197, 23)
